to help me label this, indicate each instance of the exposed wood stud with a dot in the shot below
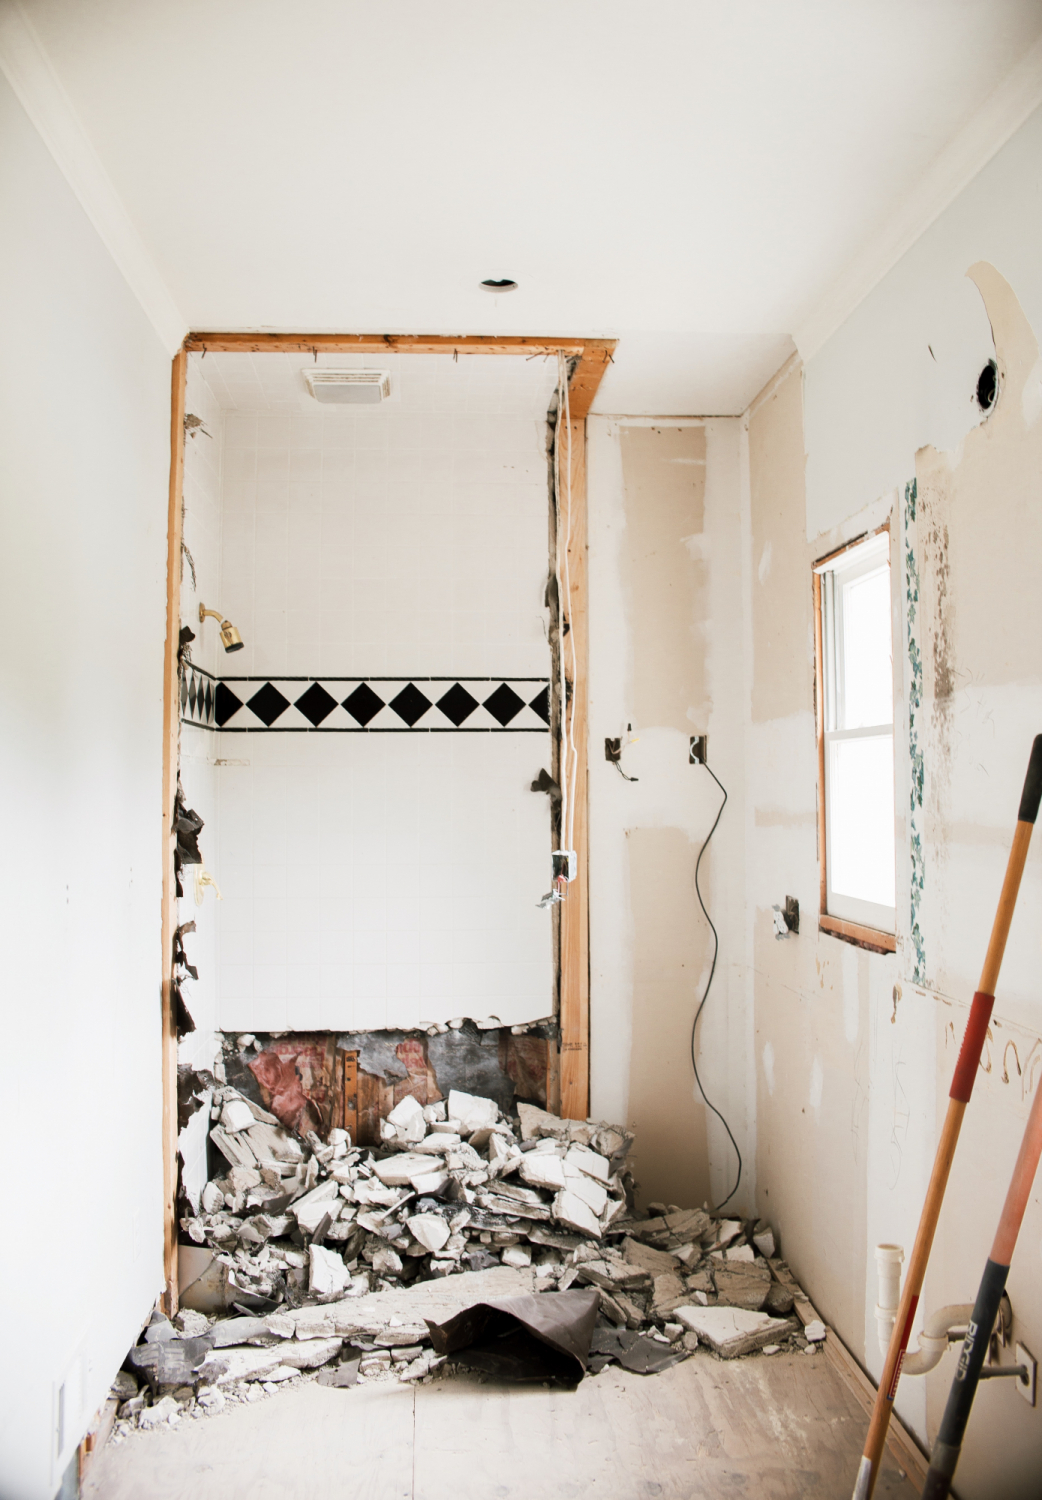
(369, 343)
(168, 921)
(588, 374)
(349, 1096)
(575, 909)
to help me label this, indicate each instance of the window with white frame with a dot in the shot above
(857, 732)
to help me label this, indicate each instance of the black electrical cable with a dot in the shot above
(705, 994)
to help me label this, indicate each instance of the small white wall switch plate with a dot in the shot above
(1029, 1387)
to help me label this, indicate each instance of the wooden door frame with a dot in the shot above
(591, 358)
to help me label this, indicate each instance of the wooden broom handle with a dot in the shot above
(959, 1097)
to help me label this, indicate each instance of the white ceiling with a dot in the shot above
(690, 177)
(420, 384)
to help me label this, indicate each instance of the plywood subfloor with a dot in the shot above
(780, 1427)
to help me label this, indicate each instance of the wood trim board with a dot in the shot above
(856, 932)
(171, 740)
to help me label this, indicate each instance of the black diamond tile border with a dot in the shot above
(504, 704)
(410, 704)
(363, 704)
(373, 705)
(316, 704)
(268, 704)
(457, 704)
(197, 693)
(225, 704)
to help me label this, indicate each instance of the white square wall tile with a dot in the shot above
(381, 854)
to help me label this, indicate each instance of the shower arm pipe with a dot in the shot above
(214, 614)
(959, 1097)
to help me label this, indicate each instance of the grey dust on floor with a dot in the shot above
(774, 1427)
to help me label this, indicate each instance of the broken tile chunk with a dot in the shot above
(472, 1111)
(574, 1213)
(542, 1170)
(590, 1162)
(731, 1331)
(328, 1273)
(740, 1284)
(236, 1115)
(430, 1230)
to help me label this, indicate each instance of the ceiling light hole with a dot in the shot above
(988, 386)
(499, 286)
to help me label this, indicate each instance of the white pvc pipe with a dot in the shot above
(933, 1340)
(888, 1269)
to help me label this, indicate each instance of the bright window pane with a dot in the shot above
(868, 677)
(861, 813)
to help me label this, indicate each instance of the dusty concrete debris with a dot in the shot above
(309, 1253)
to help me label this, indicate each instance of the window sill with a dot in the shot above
(853, 932)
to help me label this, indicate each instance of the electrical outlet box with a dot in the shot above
(566, 865)
(1028, 1388)
(698, 750)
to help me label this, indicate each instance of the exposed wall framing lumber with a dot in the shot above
(567, 1076)
(587, 376)
(575, 909)
(171, 729)
(391, 343)
(349, 1094)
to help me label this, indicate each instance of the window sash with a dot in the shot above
(864, 559)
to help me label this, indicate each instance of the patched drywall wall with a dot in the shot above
(978, 532)
(84, 465)
(667, 584)
(664, 478)
(855, 1050)
(813, 993)
(668, 957)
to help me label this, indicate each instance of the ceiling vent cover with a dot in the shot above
(349, 387)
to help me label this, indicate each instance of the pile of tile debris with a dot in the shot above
(329, 1259)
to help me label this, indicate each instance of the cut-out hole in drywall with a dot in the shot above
(988, 386)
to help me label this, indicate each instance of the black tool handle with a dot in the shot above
(1031, 796)
(964, 1383)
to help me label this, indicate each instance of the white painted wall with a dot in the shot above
(382, 879)
(84, 456)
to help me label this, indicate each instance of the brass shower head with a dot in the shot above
(231, 640)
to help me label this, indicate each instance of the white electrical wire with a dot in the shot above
(570, 843)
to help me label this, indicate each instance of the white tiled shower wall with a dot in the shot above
(375, 880)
